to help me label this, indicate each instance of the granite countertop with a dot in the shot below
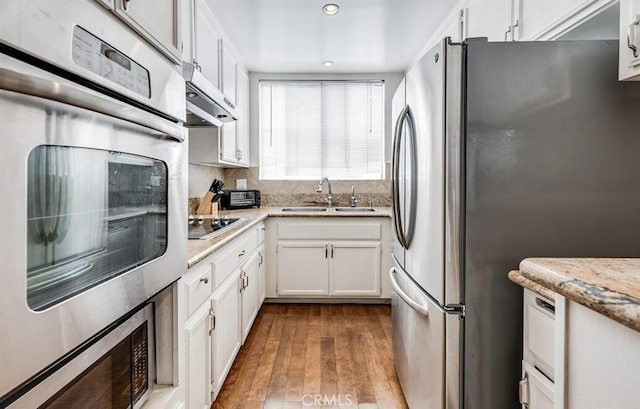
(198, 250)
(610, 286)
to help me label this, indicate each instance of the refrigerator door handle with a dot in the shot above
(395, 179)
(394, 283)
(404, 238)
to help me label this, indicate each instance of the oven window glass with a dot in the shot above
(118, 380)
(91, 215)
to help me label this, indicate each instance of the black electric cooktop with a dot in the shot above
(206, 228)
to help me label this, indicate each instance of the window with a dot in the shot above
(314, 129)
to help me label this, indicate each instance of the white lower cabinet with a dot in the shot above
(249, 289)
(536, 391)
(198, 360)
(219, 300)
(225, 335)
(354, 268)
(303, 268)
(325, 257)
(262, 279)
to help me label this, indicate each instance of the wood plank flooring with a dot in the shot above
(315, 356)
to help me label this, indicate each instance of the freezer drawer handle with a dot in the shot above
(394, 283)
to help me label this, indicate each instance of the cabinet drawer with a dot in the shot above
(238, 252)
(199, 288)
(539, 332)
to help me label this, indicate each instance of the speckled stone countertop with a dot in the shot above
(517, 277)
(198, 250)
(610, 286)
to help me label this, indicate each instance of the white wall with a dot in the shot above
(391, 81)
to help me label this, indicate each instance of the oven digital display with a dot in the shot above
(89, 52)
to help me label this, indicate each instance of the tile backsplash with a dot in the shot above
(289, 192)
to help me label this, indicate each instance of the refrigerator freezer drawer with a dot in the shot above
(418, 347)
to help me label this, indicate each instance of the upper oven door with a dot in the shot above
(87, 40)
(94, 203)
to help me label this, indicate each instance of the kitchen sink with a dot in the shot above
(355, 209)
(303, 209)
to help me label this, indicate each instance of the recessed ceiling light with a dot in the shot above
(330, 9)
(327, 63)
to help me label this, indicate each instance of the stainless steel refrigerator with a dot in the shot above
(502, 151)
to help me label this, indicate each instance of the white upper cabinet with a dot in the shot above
(489, 18)
(158, 21)
(630, 40)
(205, 43)
(228, 76)
(528, 20)
(244, 141)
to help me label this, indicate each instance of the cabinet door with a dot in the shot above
(452, 27)
(228, 73)
(355, 268)
(228, 139)
(533, 17)
(156, 20)
(629, 39)
(536, 391)
(303, 268)
(226, 332)
(250, 285)
(262, 277)
(205, 43)
(489, 18)
(243, 122)
(198, 380)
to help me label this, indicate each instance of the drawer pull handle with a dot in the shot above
(545, 305)
(204, 280)
(242, 253)
(523, 391)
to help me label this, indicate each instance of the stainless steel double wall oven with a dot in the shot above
(92, 180)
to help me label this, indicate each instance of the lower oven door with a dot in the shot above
(94, 204)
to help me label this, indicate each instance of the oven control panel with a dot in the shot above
(89, 52)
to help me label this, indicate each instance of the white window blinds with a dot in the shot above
(314, 129)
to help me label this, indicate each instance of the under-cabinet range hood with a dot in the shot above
(206, 105)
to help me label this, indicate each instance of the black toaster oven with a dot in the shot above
(240, 199)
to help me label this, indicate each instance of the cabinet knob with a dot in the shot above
(243, 253)
(204, 280)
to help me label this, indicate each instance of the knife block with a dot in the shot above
(205, 206)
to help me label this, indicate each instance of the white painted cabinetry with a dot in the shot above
(630, 40)
(219, 300)
(303, 268)
(158, 21)
(537, 386)
(320, 257)
(576, 358)
(243, 142)
(602, 359)
(225, 336)
(489, 18)
(354, 268)
(205, 39)
(528, 20)
(198, 362)
(249, 289)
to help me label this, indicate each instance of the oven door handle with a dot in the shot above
(68, 93)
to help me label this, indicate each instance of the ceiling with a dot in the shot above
(294, 36)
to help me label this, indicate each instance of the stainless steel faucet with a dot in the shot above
(353, 197)
(329, 195)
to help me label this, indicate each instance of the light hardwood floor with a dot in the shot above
(315, 356)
